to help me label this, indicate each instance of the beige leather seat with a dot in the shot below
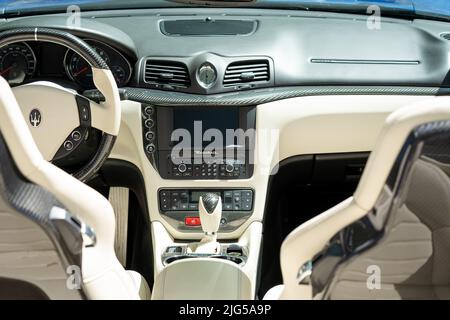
(391, 240)
(44, 215)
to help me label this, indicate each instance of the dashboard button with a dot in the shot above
(246, 193)
(192, 221)
(149, 110)
(150, 135)
(150, 148)
(182, 167)
(149, 123)
(229, 168)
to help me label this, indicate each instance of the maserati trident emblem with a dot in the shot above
(35, 118)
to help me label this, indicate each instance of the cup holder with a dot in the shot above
(175, 258)
(237, 260)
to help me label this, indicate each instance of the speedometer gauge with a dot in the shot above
(17, 62)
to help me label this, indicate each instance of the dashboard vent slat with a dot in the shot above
(446, 36)
(248, 71)
(166, 72)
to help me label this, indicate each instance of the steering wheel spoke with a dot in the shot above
(52, 114)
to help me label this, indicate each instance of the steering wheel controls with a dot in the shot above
(75, 138)
(84, 111)
(72, 142)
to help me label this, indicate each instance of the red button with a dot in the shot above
(192, 221)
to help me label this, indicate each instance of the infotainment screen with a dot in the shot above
(187, 147)
(173, 123)
(209, 118)
(197, 120)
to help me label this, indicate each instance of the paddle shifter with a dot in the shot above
(210, 212)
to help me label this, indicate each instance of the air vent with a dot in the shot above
(167, 73)
(446, 36)
(208, 27)
(249, 71)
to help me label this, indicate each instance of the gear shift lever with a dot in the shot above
(210, 212)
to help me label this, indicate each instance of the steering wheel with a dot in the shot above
(58, 117)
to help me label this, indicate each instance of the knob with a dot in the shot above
(182, 168)
(148, 110)
(229, 167)
(150, 148)
(149, 123)
(149, 135)
(210, 201)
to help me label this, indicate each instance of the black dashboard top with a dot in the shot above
(230, 50)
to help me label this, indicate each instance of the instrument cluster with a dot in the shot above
(20, 63)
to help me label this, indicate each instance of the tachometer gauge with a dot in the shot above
(17, 62)
(79, 70)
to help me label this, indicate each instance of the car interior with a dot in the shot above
(223, 150)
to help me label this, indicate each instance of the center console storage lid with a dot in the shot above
(202, 279)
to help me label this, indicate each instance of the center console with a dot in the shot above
(194, 144)
(200, 143)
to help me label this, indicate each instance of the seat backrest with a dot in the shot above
(401, 248)
(103, 277)
(328, 256)
(202, 279)
(33, 253)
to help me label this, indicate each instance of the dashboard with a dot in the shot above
(205, 52)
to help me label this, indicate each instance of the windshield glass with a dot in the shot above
(433, 9)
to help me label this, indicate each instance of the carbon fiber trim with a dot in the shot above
(260, 96)
(104, 149)
(25, 197)
(55, 36)
(433, 128)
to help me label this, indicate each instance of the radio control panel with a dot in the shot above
(167, 130)
(230, 170)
